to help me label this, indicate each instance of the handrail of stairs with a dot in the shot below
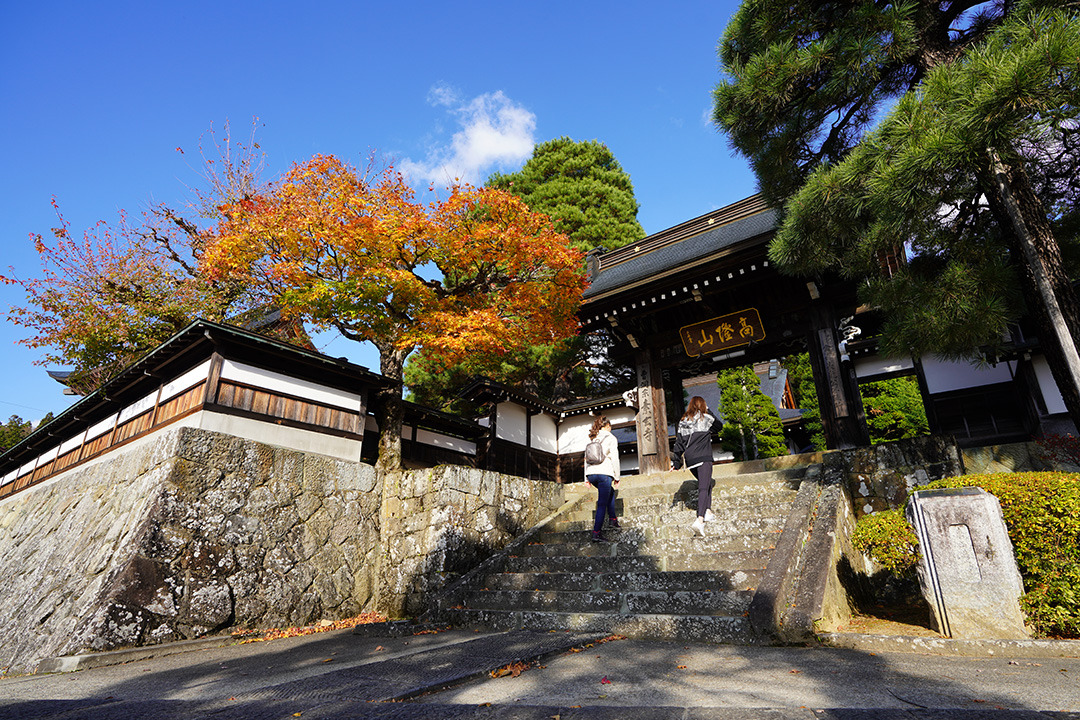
(794, 591)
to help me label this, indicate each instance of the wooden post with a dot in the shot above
(837, 387)
(653, 452)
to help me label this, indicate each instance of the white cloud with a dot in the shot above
(495, 133)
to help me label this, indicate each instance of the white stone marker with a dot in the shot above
(967, 568)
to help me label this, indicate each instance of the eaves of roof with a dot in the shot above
(132, 382)
(624, 268)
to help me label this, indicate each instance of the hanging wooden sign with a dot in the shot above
(719, 334)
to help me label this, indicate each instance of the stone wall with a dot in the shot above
(1010, 458)
(189, 532)
(446, 520)
(879, 477)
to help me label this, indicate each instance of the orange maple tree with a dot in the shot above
(473, 274)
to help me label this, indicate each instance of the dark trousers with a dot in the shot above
(704, 488)
(605, 499)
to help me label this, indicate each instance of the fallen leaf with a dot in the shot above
(605, 681)
(323, 626)
(681, 667)
(329, 660)
(513, 669)
(794, 672)
(380, 647)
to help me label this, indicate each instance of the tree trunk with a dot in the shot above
(1048, 287)
(389, 409)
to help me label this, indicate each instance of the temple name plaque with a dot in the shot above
(726, 331)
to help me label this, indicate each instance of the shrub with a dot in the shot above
(887, 537)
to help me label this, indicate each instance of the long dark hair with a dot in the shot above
(697, 406)
(598, 425)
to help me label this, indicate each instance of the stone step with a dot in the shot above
(619, 547)
(683, 628)
(625, 564)
(685, 580)
(651, 510)
(672, 602)
(677, 524)
(635, 486)
(664, 540)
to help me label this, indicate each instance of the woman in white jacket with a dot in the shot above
(604, 475)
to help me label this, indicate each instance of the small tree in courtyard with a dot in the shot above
(752, 427)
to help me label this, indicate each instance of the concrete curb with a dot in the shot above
(72, 663)
(951, 647)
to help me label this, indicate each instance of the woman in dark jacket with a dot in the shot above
(693, 442)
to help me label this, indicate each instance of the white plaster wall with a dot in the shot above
(510, 423)
(273, 434)
(251, 375)
(100, 428)
(620, 415)
(943, 375)
(72, 443)
(545, 433)
(446, 442)
(574, 430)
(574, 434)
(189, 379)
(866, 367)
(138, 407)
(1049, 388)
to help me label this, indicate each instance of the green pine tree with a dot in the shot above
(584, 190)
(948, 128)
(894, 409)
(13, 431)
(752, 427)
(801, 379)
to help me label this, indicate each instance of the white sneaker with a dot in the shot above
(709, 517)
(699, 527)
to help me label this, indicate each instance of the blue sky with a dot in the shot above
(96, 97)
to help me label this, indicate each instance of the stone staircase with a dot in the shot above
(655, 578)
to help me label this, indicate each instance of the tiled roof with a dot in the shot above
(682, 245)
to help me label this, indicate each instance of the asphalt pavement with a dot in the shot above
(547, 676)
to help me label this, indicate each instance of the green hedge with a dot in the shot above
(1042, 513)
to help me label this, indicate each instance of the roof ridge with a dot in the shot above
(722, 216)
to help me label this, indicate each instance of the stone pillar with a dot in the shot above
(967, 569)
(653, 452)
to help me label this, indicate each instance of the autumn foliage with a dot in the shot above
(476, 272)
(107, 295)
(113, 292)
(473, 274)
